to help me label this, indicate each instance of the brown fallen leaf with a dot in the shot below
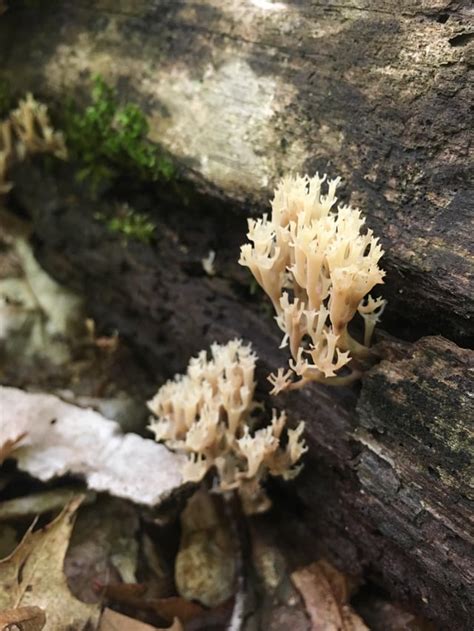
(113, 621)
(177, 607)
(133, 595)
(325, 592)
(124, 593)
(22, 619)
(9, 445)
(33, 575)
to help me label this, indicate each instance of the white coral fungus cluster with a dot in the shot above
(317, 266)
(27, 131)
(206, 414)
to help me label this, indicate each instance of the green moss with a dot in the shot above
(109, 139)
(130, 224)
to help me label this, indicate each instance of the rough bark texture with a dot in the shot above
(386, 486)
(240, 94)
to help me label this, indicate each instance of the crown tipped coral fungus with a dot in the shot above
(25, 132)
(317, 266)
(206, 414)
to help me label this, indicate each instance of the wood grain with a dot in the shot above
(376, 92)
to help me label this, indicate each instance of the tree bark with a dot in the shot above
(386, 486)
(241, 93)
(244, 92)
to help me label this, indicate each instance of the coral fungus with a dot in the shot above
(25, 132)
(206, 414)
(317, 266)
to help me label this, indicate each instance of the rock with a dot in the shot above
(205, 567)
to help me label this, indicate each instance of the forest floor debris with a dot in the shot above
(326, 594)
(113, 621)
(61, 439)
(33, 576)
(24, 618)
(68, 394)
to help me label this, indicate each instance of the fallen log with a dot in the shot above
(240, 96)
(386, 488)
(241, 93)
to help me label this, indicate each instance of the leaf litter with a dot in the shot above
(113, 621)
(325, 592)
(33, 576)
(69, 573)
(22, 619)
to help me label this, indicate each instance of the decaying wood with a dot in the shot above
(386, 486)
(241, 92)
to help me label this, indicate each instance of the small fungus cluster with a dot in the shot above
(207, 414)
(318, 266)
(27, 131)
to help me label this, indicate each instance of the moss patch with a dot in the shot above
(130, 224)
(109, 139)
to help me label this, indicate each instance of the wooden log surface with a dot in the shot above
(387, 486)
(240, 93)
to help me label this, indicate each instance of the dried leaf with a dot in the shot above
(125, 593)
(39, 503)
(325, 593)
(33, 575)
(22, 619)
(133, 595)
(177, 607)
(113, 621)
(7, 447)
(63, 438)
